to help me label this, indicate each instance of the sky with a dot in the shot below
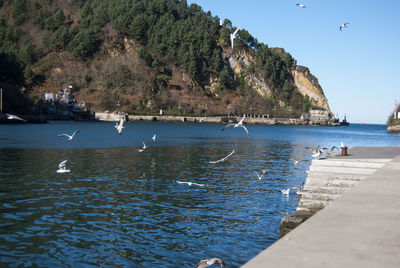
(358, 68)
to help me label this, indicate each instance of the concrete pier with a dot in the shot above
(356, 222)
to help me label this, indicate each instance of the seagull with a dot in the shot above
(258, 175)
(285, 191)
(233, 35)
(120, 126)
(222, 159)
(190, 183)
(62, 168)
(70, 137)
(221, 22)
(344, 25)
(333, 148)
(206, 263)
(299, 191)
(14, 117)
(342, 145)
(301, 5)
(240, 124)
(143, 148)
(154, 137)
(296, 162)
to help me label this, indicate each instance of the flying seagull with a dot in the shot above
(344, 25)
(258, 175)
(70, 137)
(222, 159)
(206, 263)
(143, 148)
(301, 5)
(14, 117)
(154, 137)
(240, 124)
(62, 168)
(190, 183)
(233, 36)
(120, 126)
(285, 191)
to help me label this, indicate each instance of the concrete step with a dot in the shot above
(342, 170)
(332, 176)
(332, 183)
(319, 196)
(326, 189)
(345, 163)
(311, 205)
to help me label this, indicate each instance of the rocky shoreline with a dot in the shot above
(393, 129)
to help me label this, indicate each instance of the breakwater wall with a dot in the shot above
(103, 116)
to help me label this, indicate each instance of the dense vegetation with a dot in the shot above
(169, 36)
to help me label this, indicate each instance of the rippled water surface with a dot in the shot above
(121, 207)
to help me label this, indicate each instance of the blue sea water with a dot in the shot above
(121, 207)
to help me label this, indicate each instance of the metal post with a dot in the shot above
(1, 100)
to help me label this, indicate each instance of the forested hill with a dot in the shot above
(146, 55)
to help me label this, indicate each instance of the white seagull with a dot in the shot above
(222, 159)
(143, 148)
(70, 137)
(299, 191)
(301, 5)
(154, 137)
(120, 126)
(233, 36)
(342, 145)
(285, 191)
(206, 263)
(258, 175)
(14, 117)
(296, 162)
(240, 124)
(344, 25)
(62, 168)
(190, 183)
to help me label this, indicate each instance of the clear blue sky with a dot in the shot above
(358, 68)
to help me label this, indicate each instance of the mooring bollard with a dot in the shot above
(344, 151)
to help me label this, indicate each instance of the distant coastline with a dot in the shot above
(104, 116)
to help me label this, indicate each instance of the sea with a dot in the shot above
(122, 207)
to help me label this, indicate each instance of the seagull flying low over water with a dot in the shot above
(222, 159)
(62, 168)
(301, 5)
(143, 148)
(344, 25)
(285, 191)
(233, 36)
(258, 175)
(70, 137)
(154, 137)
(206, 263)
(189, 183)
(120, 126)
(14, 117)
(240, 124)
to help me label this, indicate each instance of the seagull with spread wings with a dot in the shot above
(14, 117)
(62, 168)
(344, 25)
(70, 137)
(189, 183)
(120, 126)
(233, 36)
(143, 148)
(222, 159)
(301, 5)
(240, 124)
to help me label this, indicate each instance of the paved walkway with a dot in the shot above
(359, 229)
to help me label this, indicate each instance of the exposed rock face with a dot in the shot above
(393, 129)
(240, 62)
(307, 84)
